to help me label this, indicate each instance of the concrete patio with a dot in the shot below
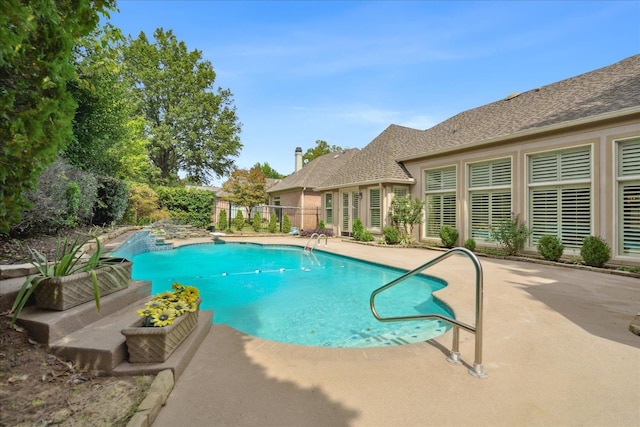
(557, 351)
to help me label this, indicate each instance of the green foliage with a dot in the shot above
(133, 158)
(470, 244)
(449, 236)
(595, 251)
(286, 224)
(246, 188)
(143, 206)
(321, 225)
(550, 248)
(321, 148)
(405, 213)
(257, 222)
(359, 233)
(223, 223)
(238, 221)
(511, 234)
(391, 235)
(188, 205)
(268, 171)
(36, 108)
(273, 223)
(111, 204)
(191, 126)
(64, 197)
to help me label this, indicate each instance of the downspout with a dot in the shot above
(302, 206)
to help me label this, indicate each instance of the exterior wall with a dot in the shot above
(308, 201)
(604, 202)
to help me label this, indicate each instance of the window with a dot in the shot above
(560, 196)
(328, 208)
(440, 200)
(374, 208)
(489, 196)
(276, 200)
(400, 191)
(629, 198)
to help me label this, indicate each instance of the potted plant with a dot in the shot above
(167, 320)
(70, 278)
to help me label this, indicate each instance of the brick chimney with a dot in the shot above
(298, 159)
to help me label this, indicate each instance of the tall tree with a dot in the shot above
(268, 171)
(322, 147)
(246, 188)
(104, 108)
(36, 109)
(191, 128)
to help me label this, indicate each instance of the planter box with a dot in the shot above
(62, 293)
(155, 345)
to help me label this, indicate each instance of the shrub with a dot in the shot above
(286, 224)
(470, 244)
(188, 205)
(391, 235)
(223, 224)
(511, 234)
(255, 224)
(143, 201)
(405, 213)
(273, 223)
(550, 248)
(595, 251)
(448, 236)
(113, 195)
(238, 221)
(357, 230)
(309, 232)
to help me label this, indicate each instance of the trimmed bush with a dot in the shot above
(550, 248)
(448, 236)
(286, 224)
(511, 234)
(273, 223)
(223, 223)
(321, 225)
(256, 222)
(188, 205)
(391, 235)
(595, 251)
(238, 221)
(470, 244)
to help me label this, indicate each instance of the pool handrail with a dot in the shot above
(318, 237)
(454, 357)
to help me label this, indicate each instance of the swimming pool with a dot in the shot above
(285, 294)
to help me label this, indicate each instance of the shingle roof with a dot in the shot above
(316, 171)
(605, 90)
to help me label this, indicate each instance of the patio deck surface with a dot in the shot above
(557, 351)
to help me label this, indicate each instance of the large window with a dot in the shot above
(374, 208)
(489, 196)
(440, 199)
(560, 196)
(328, 208)
(629, 198)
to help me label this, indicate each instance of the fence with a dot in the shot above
(300, 218)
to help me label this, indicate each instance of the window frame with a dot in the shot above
(440, 199)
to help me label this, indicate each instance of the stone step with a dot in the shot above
(47, 326)
(98, 346)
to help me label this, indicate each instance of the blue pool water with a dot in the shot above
(284, 294)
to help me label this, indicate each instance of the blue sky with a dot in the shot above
(343, 71)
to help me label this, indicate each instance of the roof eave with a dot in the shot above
(529, 132)
(410, 181)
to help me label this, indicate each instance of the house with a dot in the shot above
(296, 191)
(565, 157)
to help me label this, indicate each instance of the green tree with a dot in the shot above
(191, 127)
(268, 171)
(104, 107)
(321, 148)
(406, 212)
(223, 223)
(36, 108)
(246, 188)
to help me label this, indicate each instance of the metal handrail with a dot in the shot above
(454, 357)
(318, 236)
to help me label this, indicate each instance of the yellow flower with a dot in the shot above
(145, 312)
(163, 317)
(154, 304)
(179, 307)
(167, 296)
(190, 307)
